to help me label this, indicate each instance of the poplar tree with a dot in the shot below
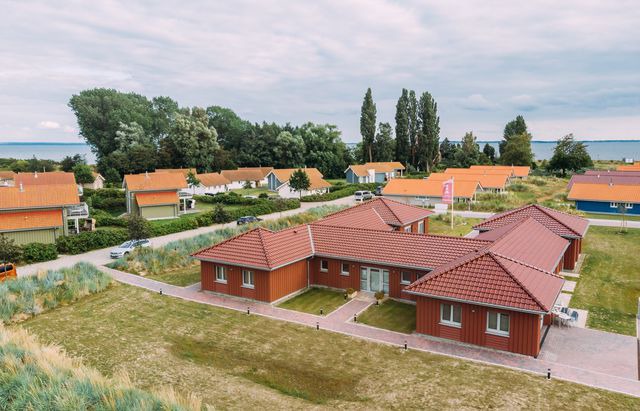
(368, 125)
(403, 147)
(428, 140)
(412, 113)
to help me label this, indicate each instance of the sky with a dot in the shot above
(567, 67)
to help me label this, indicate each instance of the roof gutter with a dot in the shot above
(255, 267)
(502, 307)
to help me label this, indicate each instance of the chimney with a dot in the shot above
(35, 174)
(146, 174)
(598, 175)
(21, 187)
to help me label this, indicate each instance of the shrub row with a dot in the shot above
(104, 219)
(340, 191)
(229, 198)
(176, 254)
(37, 252)
(91, 240)
(37, 377)
(109, 199)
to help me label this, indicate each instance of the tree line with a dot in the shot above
(130, 133)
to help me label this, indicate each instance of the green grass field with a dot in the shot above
(391, 315)
(612, 217)
(441, 224)
(232, 360)
(314, 299)
(609, 283)
(181, 277)
(252, 191)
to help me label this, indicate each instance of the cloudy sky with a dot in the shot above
(571, 66)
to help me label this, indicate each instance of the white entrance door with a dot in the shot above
(374, 279)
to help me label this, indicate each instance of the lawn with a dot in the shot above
(334, 181)
(441, 224)
(312, 300)
(252, 191)
(181, 277)
(609, 284)
(236, 361)
(612, 217)
(391, 315)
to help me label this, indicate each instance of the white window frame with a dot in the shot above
(450, 307)
(613, 205)
(221, 278)
(407, 229)
(251, 277)
(402, 280)
(342, 272)
(498, 331)
(322, 262)
(421, 227)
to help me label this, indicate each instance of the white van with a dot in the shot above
(363, 195)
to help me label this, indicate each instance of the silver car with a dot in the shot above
(363, 195)
(128, 246)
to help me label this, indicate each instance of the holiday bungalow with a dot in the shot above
(155, 196)
(98, 182)
(40, 213)
(278, 180)
(631, 167)
(495, 183)
(211, 183)
(570, 227)
(613, 173)
(495, 292)
(244, 177)
(7, 178)
(607, 197)
(377, 172)
(425, 192)
(626, 178)
(515, 171)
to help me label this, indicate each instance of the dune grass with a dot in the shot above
(36, 377)
(609, 283)
(391, 315)
(232, 360)
(314, 299)
(548, 191)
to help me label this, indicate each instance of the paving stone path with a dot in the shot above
(584, 370)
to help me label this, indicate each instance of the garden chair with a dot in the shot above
(574, 318)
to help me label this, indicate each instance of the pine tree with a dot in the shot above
(428, 141)
(402, 129)
(368, 125)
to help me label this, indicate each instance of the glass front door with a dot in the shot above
(374, 279)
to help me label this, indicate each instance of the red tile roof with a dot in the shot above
(213, 179)
(562, 224)
(38, 196)
(156, 198)
(392, 212)
(358, 218)
(30, 219)
(48, 178)
(612, 173)
(155, 181)
(492, 279)
(261, 248)
(603, 179)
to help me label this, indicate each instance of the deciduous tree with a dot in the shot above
(83, 174)
(384, 146)
(513, 128)
(299, 181)
(569, 155)
(517, 151)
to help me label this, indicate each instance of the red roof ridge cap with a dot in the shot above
(515, 225)
(228, 240)
(522, 286)
(260, 231)
(506, 257)
(546, 211)
(460, 261)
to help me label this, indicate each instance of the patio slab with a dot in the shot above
(569, 274)
(594, 350)
(564, 299)
(569, 286)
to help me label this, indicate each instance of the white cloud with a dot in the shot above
(477, 102)
(51, 125)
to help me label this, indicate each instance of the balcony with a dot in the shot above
(78, 211)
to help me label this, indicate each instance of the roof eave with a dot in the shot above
(460, 300)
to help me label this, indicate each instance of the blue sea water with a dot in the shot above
(599, 150)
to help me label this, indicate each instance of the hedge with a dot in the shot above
(341, 191)
(91, 240)
(37, 252)
(109, 199)
(104, 219)
(230, 198)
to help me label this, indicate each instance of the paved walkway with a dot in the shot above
(580, 367)
(101, 257)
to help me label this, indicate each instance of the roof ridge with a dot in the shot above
(228, 240)
(515, 260)
(522, 286)
(264, 246)
(546, 211)
(504, 214)
(459, 262)
(515, 225)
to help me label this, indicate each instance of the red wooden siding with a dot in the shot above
(572, 253)
(287, 280)
(524, 335)
(268, 286)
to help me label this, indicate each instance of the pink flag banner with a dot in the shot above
(447, 191)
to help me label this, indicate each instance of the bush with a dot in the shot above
(340, 192)
(91, 240)
(37, 252)
(379, 295)
(263, 195)
(104, 219)
(350, 291)
(518, 188)
(108, 199)
(229, 198)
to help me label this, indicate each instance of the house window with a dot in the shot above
(247, 279)
(344, 269)
(421, 227)
(497, 323)
(405, 277)
(324, 265)
(407, 229)
(451, 314)
(221, 274)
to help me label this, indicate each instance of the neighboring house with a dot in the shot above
(211, 183)
(496, 293)
(374, 172)
(632, 173)
(626, 178)
(264, 171)
(606, 198)
(494, 183)
(155, 196)
(98, 182)
(7, 178)
(516, 171)
(45, 178)
(40, 213)
(278, 180)
(241, 177)
(425, 192)
(632, 167)
(568, 226)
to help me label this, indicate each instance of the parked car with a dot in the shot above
(379, 190)
(363, 195)
(7, 271)
(128, 246)
(248, 219)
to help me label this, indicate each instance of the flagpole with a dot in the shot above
(452, 201)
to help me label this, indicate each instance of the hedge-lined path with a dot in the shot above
(101, 256)
(586, 369)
